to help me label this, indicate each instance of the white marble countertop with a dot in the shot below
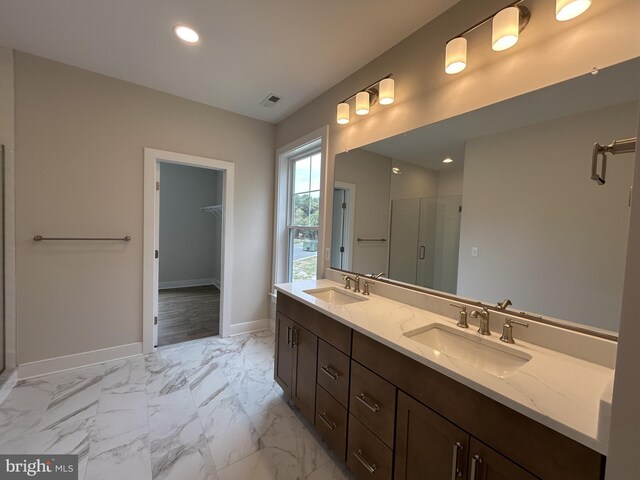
(559, 391)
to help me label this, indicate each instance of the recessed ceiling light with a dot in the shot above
(447, 160)
(396, 170)
(187, 34)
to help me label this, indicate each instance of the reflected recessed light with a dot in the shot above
(187, 34)
(447, 160)
(396, 170)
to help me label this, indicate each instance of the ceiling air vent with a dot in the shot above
(270, 100)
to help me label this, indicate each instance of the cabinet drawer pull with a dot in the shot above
(374, 407)
(475, 461)
(323, 417)
(455, 469)
(326, 369)
(371, 468)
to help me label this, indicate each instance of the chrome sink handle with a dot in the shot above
(507, 329)
(462, 318)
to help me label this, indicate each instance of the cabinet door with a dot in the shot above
(487, 464)
(305, 345)
(428, 447)
(283, 372)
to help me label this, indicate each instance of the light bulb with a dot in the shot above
(387, 91)
(343, 113)
(506, 29)
(362, 103)
(456, 55)
(568, 9)
(187, 34)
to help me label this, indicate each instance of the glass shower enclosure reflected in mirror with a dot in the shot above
(424, 241)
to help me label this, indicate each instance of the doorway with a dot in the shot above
(166, 289)
(189, 253)
(344, 195)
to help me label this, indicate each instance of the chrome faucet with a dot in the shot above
(483, 315)
(347, 282)
(504, 304)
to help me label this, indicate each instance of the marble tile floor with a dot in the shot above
(204, 409)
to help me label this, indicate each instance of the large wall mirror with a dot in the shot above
(498, 203)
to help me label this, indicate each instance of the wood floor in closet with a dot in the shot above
(187, 314)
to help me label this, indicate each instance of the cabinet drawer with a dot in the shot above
(331, 421)
(333, 372)
(373, 402)
(367, 457)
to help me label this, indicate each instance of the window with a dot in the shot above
(303, 217)
(299, 208)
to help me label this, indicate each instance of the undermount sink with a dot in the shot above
(497, 360)
(335, 296)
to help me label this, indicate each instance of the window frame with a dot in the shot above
(314, 141)
(291, 191)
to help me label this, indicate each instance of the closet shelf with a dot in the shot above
(213, 210)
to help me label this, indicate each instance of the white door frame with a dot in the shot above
(350, 188)
(152, 159)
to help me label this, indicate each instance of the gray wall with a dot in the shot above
(534, 214)
(190, 240)
(79, 156)
(370, 173)
(7, 133)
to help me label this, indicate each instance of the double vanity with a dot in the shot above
(401, 392)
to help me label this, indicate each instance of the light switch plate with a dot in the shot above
(474, 251)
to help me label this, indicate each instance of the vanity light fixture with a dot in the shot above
(456, 55)
(362, 103)
(186, 34)
(506, 27)
(381, 91)
(507, 24)
(569, 9)
(447, 160)
(343, 113)
(387, 91)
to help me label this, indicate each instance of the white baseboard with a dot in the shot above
(195, 282)
(8, 380)
(84, 359)
(248, 327)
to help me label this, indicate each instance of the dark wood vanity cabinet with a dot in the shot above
(312, 366)
(295, 364)
(427, 445)
(430, 447)
(390, 416)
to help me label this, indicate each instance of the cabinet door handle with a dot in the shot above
(326, 369)
(294, 337)
(421, 255)
(455, 470)
(289, 336)
(374, 407)
(475, 462)
(323, 417)
(371, 468)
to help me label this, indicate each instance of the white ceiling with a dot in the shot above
(248, 48)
